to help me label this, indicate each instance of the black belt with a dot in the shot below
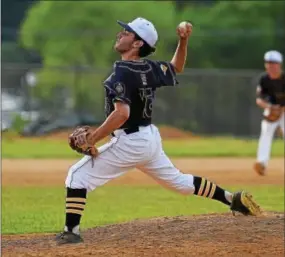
(129, 130)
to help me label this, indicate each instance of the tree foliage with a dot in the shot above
(235, 34)
(80, 34)
(83, 32)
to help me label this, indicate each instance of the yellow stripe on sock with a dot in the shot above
(202, 186)
(213, 190)
(207, 189)
(75, 205)
(76, 199)
(74, 211)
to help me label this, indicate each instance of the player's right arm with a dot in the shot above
(180, 55)
(262, 103)
(262, 94)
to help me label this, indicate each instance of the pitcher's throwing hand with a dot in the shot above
(184, 30)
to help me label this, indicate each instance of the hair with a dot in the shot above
(145, 49)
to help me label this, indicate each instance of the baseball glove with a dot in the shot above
(78, 141)
(273, 113)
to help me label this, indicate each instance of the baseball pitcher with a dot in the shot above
(135, 141)
(270, 98)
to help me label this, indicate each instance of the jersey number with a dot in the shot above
(146, 95)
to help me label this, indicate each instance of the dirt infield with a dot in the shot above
(222, 170)
(203, 235)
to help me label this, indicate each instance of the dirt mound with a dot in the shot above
(203, 235)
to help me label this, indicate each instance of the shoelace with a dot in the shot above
(62, 234)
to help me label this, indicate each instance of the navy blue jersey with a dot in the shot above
(135, 83)
(272, 90)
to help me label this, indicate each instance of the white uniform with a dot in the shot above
(268, 130)
(273, 91)
(142, 150)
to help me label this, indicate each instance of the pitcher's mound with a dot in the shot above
(203, 235)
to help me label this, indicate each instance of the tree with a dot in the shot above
(235, 34)
(81, 34)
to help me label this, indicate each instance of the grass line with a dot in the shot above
(34, 210)
(206, 147)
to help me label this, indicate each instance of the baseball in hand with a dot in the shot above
(184, 29)
(184, 24)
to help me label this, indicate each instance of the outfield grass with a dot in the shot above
(27, 210)
(206, 147)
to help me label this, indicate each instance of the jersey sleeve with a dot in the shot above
(121, 87)
(261, 90)
(167, 74)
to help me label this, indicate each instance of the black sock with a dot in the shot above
(75, 203)
(205, 188)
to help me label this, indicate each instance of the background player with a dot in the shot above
(136, 142)
(271, 98)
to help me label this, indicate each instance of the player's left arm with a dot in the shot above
(180, 55)
(115, 120)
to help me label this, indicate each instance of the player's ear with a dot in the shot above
(138, 43)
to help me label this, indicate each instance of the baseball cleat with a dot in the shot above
(68, 238)
(259, 168)
(243, 203)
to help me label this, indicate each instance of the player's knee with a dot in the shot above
(73, 180)
(77, 177)
(77, 180)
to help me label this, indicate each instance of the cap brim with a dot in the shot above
(125, 26)
(273, 61)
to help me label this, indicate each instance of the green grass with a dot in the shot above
(27, 210)
(219, 147)
(206, 147)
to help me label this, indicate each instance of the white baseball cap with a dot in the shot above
(143, 28)
(273, 56)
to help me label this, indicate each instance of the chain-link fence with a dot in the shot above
(212, 102)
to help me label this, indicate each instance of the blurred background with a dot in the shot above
(55, 55)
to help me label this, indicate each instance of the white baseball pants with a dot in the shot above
(266, 136)
(142, 150)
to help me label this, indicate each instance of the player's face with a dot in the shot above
(124, 42)
(273, 68)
